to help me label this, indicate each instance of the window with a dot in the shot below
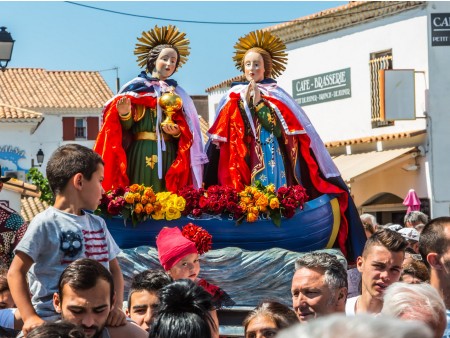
(378, 62)
(80, 128)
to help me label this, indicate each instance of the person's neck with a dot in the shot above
(442, 285)
(367, 303)
(67, 205)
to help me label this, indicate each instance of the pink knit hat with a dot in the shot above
(172, 247)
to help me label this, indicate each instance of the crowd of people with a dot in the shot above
(65, 279)
(65, 276)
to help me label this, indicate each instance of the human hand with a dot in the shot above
(116, 317)
(31, 323)
(171, 129)
(123, 106)
(253, 91)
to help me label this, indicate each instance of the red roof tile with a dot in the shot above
(14, 114)
(40, 88)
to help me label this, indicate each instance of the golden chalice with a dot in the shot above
(170, 103)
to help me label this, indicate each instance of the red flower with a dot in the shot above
(198, 235)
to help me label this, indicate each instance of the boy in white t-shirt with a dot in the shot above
(63, 233)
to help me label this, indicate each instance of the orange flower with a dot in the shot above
(144, 199)
(274, 203)
(138, 208)
(148, 208)
(251, 217)
(262, 201)
(134, 188)
(243, 206)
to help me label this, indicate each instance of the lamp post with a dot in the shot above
(39, 157)
(6, 47)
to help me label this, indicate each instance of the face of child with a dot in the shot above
(254, 67)
(6, 300)
(187, 268)
(92, 189)
(165, 64)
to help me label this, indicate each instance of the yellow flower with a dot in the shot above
(180, 203)
(138, 208)
(251, 217)
(253, 210)
(257, 195)
(274, 203)
(129, 197)
(137, 197)
(172, 213)
(158, 215)
(271, 188)
(246, 200)
(163, 196)
(148, 208)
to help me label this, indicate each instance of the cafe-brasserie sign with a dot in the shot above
(335, 85)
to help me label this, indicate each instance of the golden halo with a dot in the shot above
(264, 40)
(166, 35)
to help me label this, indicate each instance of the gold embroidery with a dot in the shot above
(151, 161)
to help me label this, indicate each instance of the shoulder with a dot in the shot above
(350, 306)
(128, 330)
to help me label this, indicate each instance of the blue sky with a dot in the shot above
(61, 36)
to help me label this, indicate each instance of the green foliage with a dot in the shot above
(36, 177)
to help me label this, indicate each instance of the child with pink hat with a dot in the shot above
(178, 253)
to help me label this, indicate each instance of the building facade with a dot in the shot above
(372, 77)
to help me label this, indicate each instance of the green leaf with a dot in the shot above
(276, 218)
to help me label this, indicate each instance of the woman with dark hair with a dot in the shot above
(135, 143)
(184, 312)
(267, 319)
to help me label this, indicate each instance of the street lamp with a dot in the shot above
(39, 157)
(6, 47)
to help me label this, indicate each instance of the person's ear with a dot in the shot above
(359, 263)
(77, 181)
(342, 296)
(56, 302)
(433, 260)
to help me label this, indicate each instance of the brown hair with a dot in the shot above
(432, 237)
(391, 240)
(267, 59)
(416, 269)
(279, 313)
(154, 54)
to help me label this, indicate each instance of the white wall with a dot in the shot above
(350, 48)
(439, 119)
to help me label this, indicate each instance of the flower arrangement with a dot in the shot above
(198, 235)
(141, 203)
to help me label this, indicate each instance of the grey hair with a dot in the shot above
(415, 216)
(369, 217)
(414, 302)
(334, 271)
(362, 325)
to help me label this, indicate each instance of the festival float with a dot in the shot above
(270, 189)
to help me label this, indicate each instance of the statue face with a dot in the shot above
(254, 67)
(165, 64)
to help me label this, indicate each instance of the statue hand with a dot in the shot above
(123, 106)
(171, 129)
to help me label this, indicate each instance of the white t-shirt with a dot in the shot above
(55, 239)
(350, 306)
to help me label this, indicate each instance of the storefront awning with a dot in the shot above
(354, 165)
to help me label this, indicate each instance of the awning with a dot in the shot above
(354, 165)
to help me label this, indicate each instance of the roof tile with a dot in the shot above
(40, 88)
(14, 114)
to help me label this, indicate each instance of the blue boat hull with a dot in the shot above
(313, 228)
